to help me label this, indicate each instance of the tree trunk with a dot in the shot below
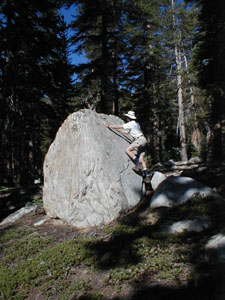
(216, 120)
(115, 104)
(181, 123)
(195, 135)
(103, 100)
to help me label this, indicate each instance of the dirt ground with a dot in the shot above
(148, 289)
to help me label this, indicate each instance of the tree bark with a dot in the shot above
(196, 134)
(181, 122)
(103, 100)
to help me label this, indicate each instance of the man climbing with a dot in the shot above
(138, 145)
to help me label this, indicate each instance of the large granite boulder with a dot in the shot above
(88, 178)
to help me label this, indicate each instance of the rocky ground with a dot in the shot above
(128, 259)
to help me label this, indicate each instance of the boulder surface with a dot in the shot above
(215, 249)
(88, 178)
(175, 190)
(157, 178)
(197, 225)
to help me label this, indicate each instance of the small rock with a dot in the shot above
(41, 222)
(215, 249)
(18, 214)
(197, 225)
(195, 160)
(169, 163)
(157, 178)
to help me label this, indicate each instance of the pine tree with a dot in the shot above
(98, 32)
(210, 66)
(30, 39)
(179, 27)
(145, 69)
(134, 41)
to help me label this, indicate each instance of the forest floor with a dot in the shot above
(126, 260)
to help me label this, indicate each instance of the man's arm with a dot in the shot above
(117, 127)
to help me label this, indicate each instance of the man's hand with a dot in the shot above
(105, 124)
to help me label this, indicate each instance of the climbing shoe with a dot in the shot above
(148, 185)
(147, 179)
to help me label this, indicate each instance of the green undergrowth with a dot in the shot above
(29, 260)
(3, 188)
(196, 208)
(131, 251)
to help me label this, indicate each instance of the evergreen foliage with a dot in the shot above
(34, 67)
(209, 62)
(131, 64)
(136, 54)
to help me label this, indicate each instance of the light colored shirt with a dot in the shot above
(134, 128)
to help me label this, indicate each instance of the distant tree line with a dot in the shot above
(164, 59)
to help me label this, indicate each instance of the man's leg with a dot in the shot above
(134, 157)
(129, 152)
(145, 170)
(142, 160)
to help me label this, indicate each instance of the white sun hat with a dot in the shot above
(131, 115)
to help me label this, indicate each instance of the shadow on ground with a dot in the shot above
(15, 198)
(206, 281)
